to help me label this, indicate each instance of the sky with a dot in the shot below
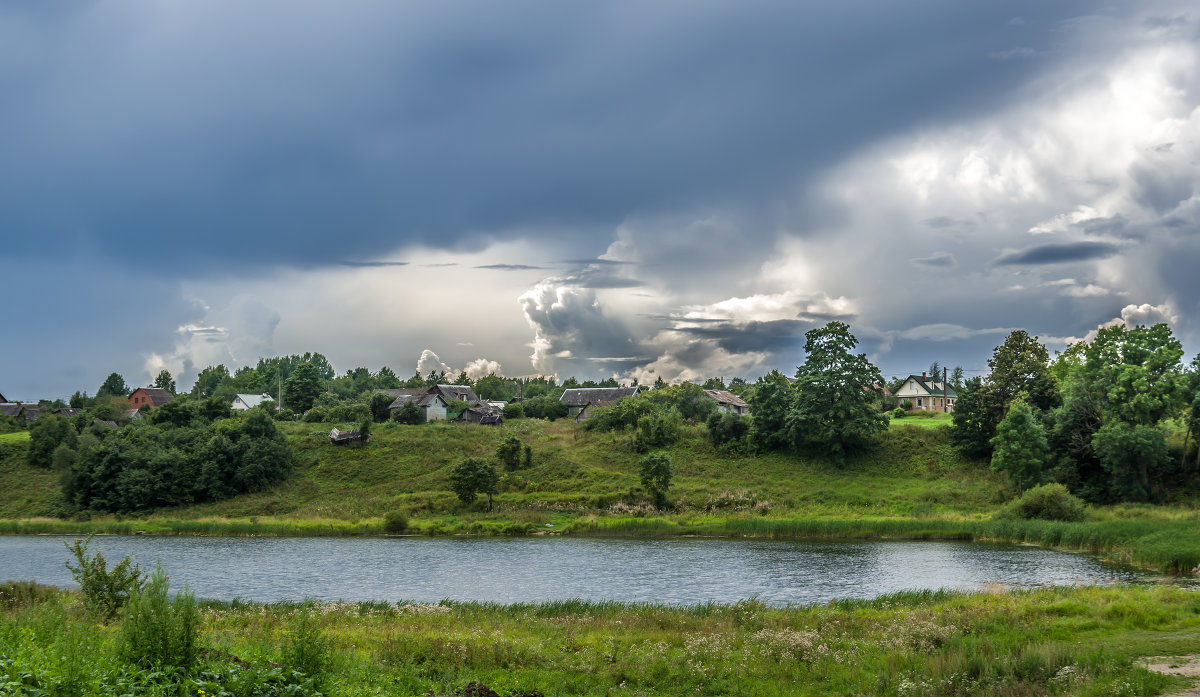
(676, 189)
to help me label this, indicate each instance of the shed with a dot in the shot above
(484, 414)
(351, 437)
(728, 402)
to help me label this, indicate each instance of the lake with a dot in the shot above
(532, 569)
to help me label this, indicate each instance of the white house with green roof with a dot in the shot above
(926, 394)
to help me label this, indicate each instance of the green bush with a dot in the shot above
(514, 411)
(899, 413)
(157, 631)
(1046, 502)
(395, 523)
(15, 594)
(104, 591)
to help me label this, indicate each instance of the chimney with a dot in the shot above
(922, 374)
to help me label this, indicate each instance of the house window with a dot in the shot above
(918, 401)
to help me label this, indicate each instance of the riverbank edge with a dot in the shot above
(1166, 546)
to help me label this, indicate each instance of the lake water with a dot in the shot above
(508, 570)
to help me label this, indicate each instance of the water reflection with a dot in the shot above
(676, 571)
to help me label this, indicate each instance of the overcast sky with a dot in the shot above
(639, 189)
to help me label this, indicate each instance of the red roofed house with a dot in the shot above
(149, 396)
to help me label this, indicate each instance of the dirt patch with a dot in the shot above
(1186, 666)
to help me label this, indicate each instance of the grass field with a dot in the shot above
(915, 485)
(1082, 641)
(15, 437)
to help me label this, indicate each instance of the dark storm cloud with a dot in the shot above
(229, 133)
(1058, 254)
(778, 336)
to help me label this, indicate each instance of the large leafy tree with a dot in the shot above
(114, 386)
(769, 405)
(303, 387)
(1019, 366)
(473, 476)
(1121, 386)
(209, 380)
(164, 381)
(833, 409)
(655, 472)
(1020, 447)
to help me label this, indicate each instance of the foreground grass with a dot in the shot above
(1060, 641)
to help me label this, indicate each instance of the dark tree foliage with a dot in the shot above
(1020, 448)
(655, 473)
(831, 410)
(302, 387)
(508, 453)
(772, 399)
(46, 434)
(514, 410)
(409, 413)
(164, 381)
(727, 428)
(208, 381)
(658, 429)
(114, 386)
(380, 401)
(971, 429)
(386, 379)
(148, 465)
(474, 476)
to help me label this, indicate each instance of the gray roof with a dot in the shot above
(583, 396)
(422, 397)
(726, 397)
(253, 400)
(463, 392)
(158, 396)
(13, 409)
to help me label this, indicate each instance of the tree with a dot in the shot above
(114, 386)
(655, 472)
(164, 381)
(956, 377)
(386, 379)
(769, 404)
(1021, 365)
(474, 476)
(45, 435)
(832, 411)
(380, 401)
(1020, 447)
(209, 380)
(303, 387)
(409, 413)
(971, 430)
(508, 453)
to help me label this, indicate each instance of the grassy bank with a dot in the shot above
(915, 485)
(1060, 641)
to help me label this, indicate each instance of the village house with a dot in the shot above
(460, 392)
(432, 404)
(3, 400)
(486, 414)
(920, 393)
(242, 402)
(728, 402)
(21, 410)
(149, 396)
(582, 401)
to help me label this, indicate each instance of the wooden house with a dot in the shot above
(149, 396)
(485, 414)
(243, 402)
(728, 402)
(920, 393)
(433, 405)
(581, 401)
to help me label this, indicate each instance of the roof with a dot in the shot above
(2, 399)
(107, 424)
(726, 397)
(463, 392)
(582, 396)
(422, 397)
(157, 395)
(68, 412)
(934, 388)
(133, 414)
(882, 389)
(351, 436)
(7, 409)
(253, 400)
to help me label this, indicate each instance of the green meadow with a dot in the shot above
(1084, 641)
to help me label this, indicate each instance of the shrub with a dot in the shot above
(1046, 502)
(157, 631)
(655, 473)
(285, 415)
(899, 413)
(727, 427)
(15, 594)
(657, 430)
(514, 411)
(395, 523)
(104, 591)
(408, 413)
(508, 453)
